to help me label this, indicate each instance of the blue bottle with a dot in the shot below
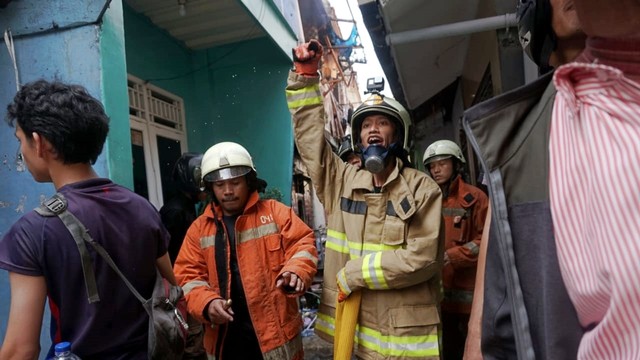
(63, 352)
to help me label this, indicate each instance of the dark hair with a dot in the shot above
(255, 183)
(66, 115)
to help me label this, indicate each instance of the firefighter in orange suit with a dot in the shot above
(256, 253)
(464, 208)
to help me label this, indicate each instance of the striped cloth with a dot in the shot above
(594, 184)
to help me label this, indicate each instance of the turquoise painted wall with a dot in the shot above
(248, 106)
(153, 55)
(115, 96)
(231, 93)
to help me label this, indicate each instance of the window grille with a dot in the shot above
(151, 104)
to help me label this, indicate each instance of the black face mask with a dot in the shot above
(376, 157)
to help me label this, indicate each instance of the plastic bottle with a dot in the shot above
(63, 352)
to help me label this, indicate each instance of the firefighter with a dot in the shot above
(464, 208)
(244, 263)
(177, 215)
(181, 210)
(384, 245)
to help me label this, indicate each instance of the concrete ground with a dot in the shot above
(316, 348)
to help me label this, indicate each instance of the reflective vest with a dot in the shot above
(270, 240)
(389, 243)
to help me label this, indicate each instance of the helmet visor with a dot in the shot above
(436, 158)
(227, 173)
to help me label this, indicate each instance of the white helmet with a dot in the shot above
(442, 149)
(226, 160)
(380, 104)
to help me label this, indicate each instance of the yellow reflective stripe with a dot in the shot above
(297, 94)
(305, 255)
(186, 288)
(372, 271)
(309, 95)
(342, 280)
(388, 345)
(400, 346)
(337, 234)
(325, 324)
(337, 241)
(207, 241)
(257, 232)
(308, 101)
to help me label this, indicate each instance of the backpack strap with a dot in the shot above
(57, 206)
(105, 255)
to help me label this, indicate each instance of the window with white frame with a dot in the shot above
(158, 138)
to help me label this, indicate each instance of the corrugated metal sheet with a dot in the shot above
(206, 23)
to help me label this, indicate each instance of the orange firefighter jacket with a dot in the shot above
(464, 211)
(270, 239)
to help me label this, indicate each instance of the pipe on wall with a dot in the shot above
(453, 29)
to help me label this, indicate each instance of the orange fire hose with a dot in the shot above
(346, 321)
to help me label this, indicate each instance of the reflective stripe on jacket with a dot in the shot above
(270, 240)
(464, 211)
(389, 243)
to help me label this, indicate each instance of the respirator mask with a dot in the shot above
(376, 157)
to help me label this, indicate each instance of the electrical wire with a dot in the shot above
(8, 40)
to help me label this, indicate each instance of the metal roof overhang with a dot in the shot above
(419, 69)
(205, 23)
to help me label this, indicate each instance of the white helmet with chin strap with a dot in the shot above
(440, 150)
(380, 104)
(224, 161)
(375, 158)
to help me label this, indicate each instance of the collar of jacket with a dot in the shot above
(454, 186)
(217, 210)
(365, 179)
(491, 125)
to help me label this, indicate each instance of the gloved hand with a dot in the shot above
(306, 57)
(343, 288)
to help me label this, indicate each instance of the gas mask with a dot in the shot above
(375, 157)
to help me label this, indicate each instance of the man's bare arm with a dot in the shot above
(472, 349)
(28, 295)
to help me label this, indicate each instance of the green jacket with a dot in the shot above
(388, 243)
